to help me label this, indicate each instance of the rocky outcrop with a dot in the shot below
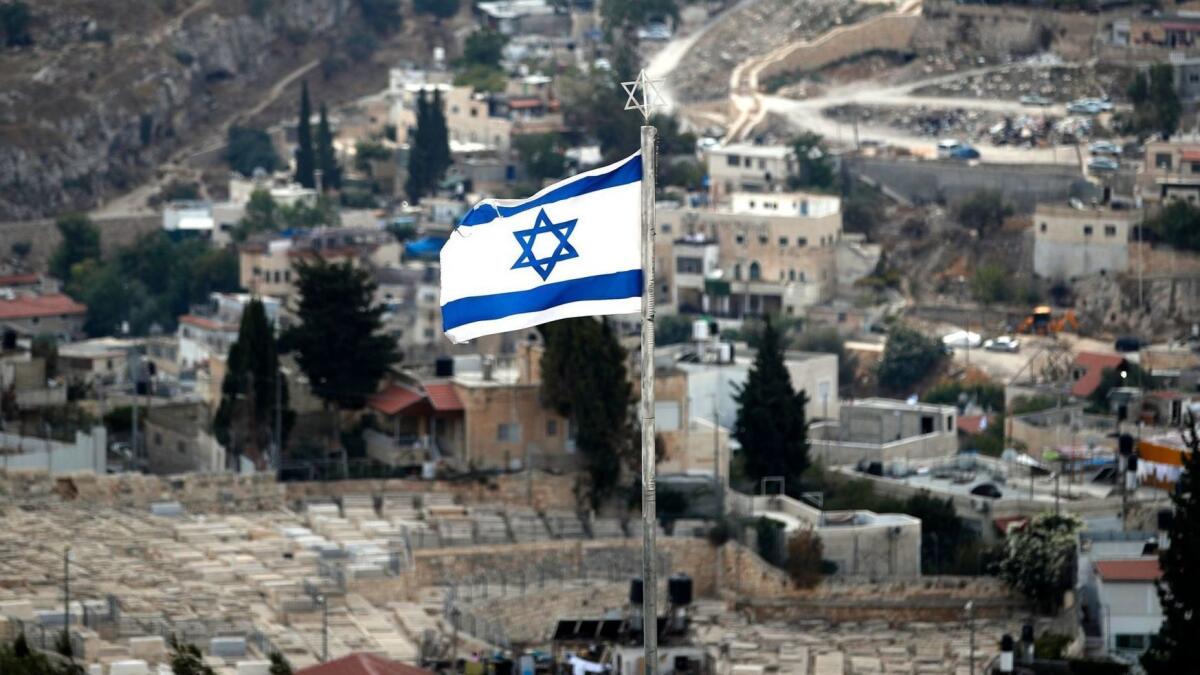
(90, 112)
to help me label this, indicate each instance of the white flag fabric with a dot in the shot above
(572, 249)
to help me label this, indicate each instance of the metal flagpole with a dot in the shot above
(649, 549)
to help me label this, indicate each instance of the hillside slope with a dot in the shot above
(109, 91)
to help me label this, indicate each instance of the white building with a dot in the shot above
(1070, 242)
(885, 430)
(743, 167)
(194, 217)
(1130, 610)
(213, 332)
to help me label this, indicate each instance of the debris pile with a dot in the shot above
(1056, 84)
(996, 128)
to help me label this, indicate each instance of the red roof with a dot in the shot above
(1191, 155)
(43, 305)
(394, 399)
(206, 323)
(524, 103)
(19, 280)
(443, 397)
(362, 664)
(1093, 365)
(973, 424)
(1006, 524)
(1138, 569)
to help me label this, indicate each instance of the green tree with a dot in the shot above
(813, 166)
(14, 24)
(279, 665)
(246, 414)
(439, 137)
(338, 343)
(541, 155)
(80, 242)
(828, 341)
(306, 162)
(1110, 378)
(908, 358)
(1178, 224)
(584, 379)
(943, 533)
(484, 47)
(686, 173)
(259, 216)
(805, 562)
(770, 424)
(671, 140)
(992, 283)
(1179, 589)
(439, 9)
(384, 16)
(367, 151)
(429, 148)
(19, 659)
(248, 149)
(983, 211)
(623, 16)
(986, 395)
(584, 109)
(1039, 561)
(331, 173)
(186, 659)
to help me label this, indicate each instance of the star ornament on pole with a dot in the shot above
(647, 88)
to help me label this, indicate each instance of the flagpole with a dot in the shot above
(649, 550)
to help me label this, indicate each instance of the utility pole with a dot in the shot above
(324, 600)
(970, 609)
(277, 456)
(67, 591)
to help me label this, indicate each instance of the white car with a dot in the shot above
(961, 339)
(1104, 148)
(1004, 343)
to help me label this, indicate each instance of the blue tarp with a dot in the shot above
(427, 247)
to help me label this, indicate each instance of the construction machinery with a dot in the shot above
(1043, 321)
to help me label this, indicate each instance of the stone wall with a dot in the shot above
(887, 32)
(218, 493)
(549, 491)
(43, 236)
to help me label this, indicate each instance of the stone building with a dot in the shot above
(1070, 242)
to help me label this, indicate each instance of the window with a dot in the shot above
(791, 275)
(1131, 641)
(737, 271)
(802, 279)
(508, 433)
(949, 422)
(802, 241)
(755, 271)
(762, 164)
(763, 239)
(157, 438)
(474, 111)
(551, 427)
(181, 447)
(1087, 230)
(747, 163)
(666, 228)
(1195, 167)
(1110, 230)
(287, 276)
(733, 160)
(751, 203)
(453, 110)
(689, 265)
(1162, 160)
(783, 241)
(1042, 227)
(741, 239)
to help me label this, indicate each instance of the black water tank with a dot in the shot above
(635, 591)
(1027, 633)
(1125, 444)
(1006, 643)
(679, 590)
(10, 340)
(1166, 517)
(444, 367)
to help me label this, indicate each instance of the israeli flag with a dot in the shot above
(573, 249)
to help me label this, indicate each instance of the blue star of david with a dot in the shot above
(564, 250)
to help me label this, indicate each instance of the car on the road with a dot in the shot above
(1127, 343)
(1105, 148)
(654, 31)
(961, 339)
(946, 146)
(1084, 107)
(1103, 164)
(964, 152)
(1004, 343)
(987, 490)
(1035, 99)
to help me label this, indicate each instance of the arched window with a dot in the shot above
(755, 271)
(737, 272)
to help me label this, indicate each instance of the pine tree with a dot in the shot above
(305, 162)
(331, 173)
(186, 659)
(584, 379)
(1179, 589)
(279, 665)
(418, 152)
(771, 425)
(246, 415)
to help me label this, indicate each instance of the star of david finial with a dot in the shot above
(651, 97)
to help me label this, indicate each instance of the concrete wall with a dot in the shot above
(1056, 260)
(932, 180)
(887, 32)
(43, 236)
(87, 453)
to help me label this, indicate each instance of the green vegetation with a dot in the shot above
(770, 424)
(624, 16)
(992, 283)
(983, 211)
(249, 149)
(484, 47)
(1110, 378)
(367, 151)
(672, 141)
(584, 380)
(1051, 645)
(263, 214)
(481, 78)
(814, 170)
(908, 358)
(541, 156)
(384, 16)
(429, 154)
(14, 24)
(150, 283)
(587, 110)
(338, 343)
(306, 162)
(804, 558)
(862, 207)
(19, 659)
(186, 659)
(245, 419)
(80, 242)
(180, 191)
(279, 665)
(440, 9)
(1023, 405)
(1179, 589)
(986, 395)
(671, 329)
(687, 174)
(331, 173)
(1039, 561)
(1156, 105)
(1178, 224)
(828, 341)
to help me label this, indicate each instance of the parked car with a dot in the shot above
(962, 339)
(1004, 343)
(1105, 148)
(1034, 99)
(964, 152)
(1103, 164)
(1127, 343)
(1084, 107)
(987, 490)
(947, 146)
(654, 31)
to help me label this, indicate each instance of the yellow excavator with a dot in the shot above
(1042, 321)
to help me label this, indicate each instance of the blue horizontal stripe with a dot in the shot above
(629, 172)
(627, 284)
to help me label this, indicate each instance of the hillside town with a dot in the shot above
(923, 369)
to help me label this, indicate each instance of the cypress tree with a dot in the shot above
(439, 137)
(305, 162)
(771, 425)
(418, 152)
(1179, 589)
(331, 173)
